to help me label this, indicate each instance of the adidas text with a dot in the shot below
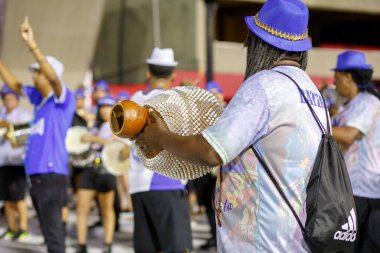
(348, 236)
(349, 233)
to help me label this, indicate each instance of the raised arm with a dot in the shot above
(9, 79)
(27, 35)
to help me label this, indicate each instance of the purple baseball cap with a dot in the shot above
(102, 85)
(107, 100)
(6, 90)
(123, 95)
(79, 93)
(212, 85)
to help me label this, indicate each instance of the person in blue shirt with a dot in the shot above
(46, 158)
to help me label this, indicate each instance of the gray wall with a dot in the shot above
(2, 21)
(66, 29)
(177, 20)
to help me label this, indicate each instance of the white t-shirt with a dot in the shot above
(8, 154)
(363, 156)
(140, 178)
(268, 112)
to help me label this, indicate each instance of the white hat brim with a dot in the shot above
(161, 63)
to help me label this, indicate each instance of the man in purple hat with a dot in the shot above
(356, 129)
(268, 113)
(12, 171)
(46, 158)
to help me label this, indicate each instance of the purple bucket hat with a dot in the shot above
(282, 24)
(351, 60)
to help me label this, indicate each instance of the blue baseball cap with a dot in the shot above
(282, 24)
(6, 90)
(107, 100)
(212, 85)
(351, 60)
(123, 95)
(102, 85)
(79, 93)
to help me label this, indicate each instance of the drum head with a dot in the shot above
(110, 158)
(74, 145)
(3, 131)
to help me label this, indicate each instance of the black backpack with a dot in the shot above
(330, 207)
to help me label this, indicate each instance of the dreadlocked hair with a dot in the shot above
(160, 71)
(362, 78)
(261, 55)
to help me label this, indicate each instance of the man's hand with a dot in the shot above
(4, 124)
(87, 138)
(150, 140)
(156, 137)
(27, 34)
(124, 153)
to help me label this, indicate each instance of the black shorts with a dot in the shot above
(12, 183)
(162, 222)
(204, 187)
(93, 180)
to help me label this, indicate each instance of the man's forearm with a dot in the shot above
(9, 79)
(193, 148)
(46, 69)
(345, 135)
(98, 140)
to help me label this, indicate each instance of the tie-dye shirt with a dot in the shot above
(363, 156)
(268, 112)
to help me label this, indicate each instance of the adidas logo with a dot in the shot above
(349, 234)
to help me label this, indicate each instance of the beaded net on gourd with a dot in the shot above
(186, 111)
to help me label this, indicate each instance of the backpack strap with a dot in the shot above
(324, 131)
(274, 181)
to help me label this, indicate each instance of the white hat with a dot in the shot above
(56, 65)
(162, 57)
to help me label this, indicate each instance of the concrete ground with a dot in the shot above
(123, 242)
